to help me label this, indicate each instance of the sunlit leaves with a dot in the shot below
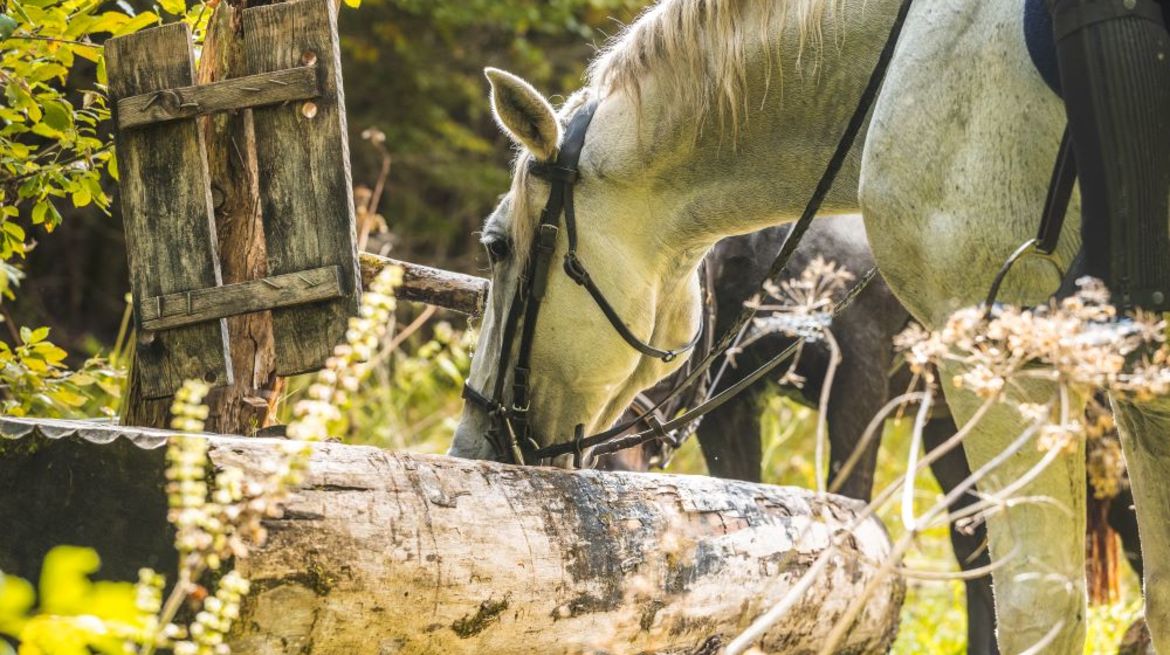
(55, 152)
(7, 26)
(51, 149)
(75, 615)
(38, 383)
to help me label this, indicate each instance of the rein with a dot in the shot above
(510, 435)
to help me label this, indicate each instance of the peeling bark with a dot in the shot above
(391, 553)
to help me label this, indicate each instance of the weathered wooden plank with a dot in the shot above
(240, 93)
(434, 286)
(384, 552)
(248, 403)
(201, 305)
(166, 210)
(302, 151)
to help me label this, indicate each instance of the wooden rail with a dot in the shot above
(202, 305)
(466, 294)
(198, 100)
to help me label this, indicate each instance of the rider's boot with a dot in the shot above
(1114, 58)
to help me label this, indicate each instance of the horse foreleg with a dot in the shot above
(970, 544)
(1145, 438)
(1037, 543)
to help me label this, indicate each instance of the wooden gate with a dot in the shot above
(294, 90)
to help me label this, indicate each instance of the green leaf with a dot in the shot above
(15, 231)
(58, 115)
(7, 26)
(36, 336)
(50, 353)
(81, 197)
(145, 19)
(38, 211)
(54, 218)
(70, 398)
(16, 598)
(65, 579)
(177, 7)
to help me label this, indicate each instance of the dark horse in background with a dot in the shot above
(867, 377)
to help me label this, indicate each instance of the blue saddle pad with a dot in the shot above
(1041, 43)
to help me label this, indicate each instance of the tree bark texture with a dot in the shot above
(394, 553)
(244, 406)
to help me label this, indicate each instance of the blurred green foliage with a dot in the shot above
(36, 381)
(414, 70)
(69, 614)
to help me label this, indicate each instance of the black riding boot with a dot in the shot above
(1114, 58)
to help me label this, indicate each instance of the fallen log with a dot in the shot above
(465, 294)
(393, 553)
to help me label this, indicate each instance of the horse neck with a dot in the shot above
(734, 179)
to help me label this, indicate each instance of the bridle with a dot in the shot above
(510, 434)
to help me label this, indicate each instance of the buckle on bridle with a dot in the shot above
(575, 269)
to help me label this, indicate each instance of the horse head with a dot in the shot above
(577, 372)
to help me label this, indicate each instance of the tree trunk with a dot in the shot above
(244, 406)
(395, 553)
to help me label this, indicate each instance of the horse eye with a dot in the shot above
(499, 249)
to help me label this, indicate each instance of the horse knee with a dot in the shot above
(1157, 592)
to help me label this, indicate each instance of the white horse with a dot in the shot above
(717, 117)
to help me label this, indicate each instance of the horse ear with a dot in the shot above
(524, 114)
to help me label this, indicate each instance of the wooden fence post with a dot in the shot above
(306, 188)
(166, 201)
(238, 207)
(291, 185)
(246, 405)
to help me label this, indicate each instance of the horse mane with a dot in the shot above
(699, 50)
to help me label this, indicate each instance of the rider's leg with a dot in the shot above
(1114, 58)
(1115, 71)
